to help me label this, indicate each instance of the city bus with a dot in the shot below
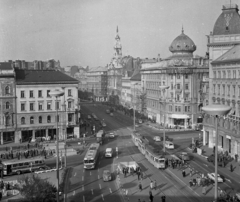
(22, 166)
(91, 157)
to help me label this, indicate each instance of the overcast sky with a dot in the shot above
(82, 32)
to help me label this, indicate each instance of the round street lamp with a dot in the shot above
(57, 94)
(163, 89)
(216, 111)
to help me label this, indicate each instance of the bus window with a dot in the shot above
(15, 165)
(20, 164)
(26, 164)
(36, 162)
(40, 162)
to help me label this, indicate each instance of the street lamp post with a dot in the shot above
(57, 94)
(216, 111)
(163, 89)
(134, 118)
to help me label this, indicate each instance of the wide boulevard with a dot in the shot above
(88, 186)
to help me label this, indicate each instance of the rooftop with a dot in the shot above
(43, 77)
(6, 66)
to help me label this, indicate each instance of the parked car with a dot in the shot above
(157, 138)
(107, 176)
(167, 139)
(183, 156)
(104, 124)
(169, 145)
(111, 135)
(107, 111)
(111, 114)
(211, 158)
(212, 177)
(89, 117)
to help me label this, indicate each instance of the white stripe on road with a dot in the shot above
(90, 173)
(92, 191)
(75, 174)
(100, 186)
(82, 178)
(98, 177)
(83, 199)
(73, 193)
(102, 197)
(110, 190)
(83, 187)
(98, 169)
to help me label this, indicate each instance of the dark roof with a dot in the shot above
(232, 55)
(43, 77)
(6, 66)
(228, 22)
(136, 75)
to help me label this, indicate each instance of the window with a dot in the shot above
(40, 106)
(170, 108)
(49, 119)
(178, 76)
(69, 92)
(238, 91)
(223, 87)
(179, 108)
(224, 74)
(57, 118)
(214, 74)
(171, 86)
(234, 90)
(69, 105)
(186, 76)
(234, 74)
(7, 90)
(22, 94)
(49, 105)
(31, 106)
(57, 106)
(22, 120)
(186, 86)
(7, 120)
(186, 96)
(7, 105)
(176, 108)
(22, 106)
(171, 95)
(39, 93)
(31, 94)
(39, 119)
(219, 74)
(178, 86)
(228, 90)
(178, 97)
(48, 95)
(229, 74)
(214, 88)
(219, 89)
(31, 120)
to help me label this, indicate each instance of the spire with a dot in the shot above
(182, 30)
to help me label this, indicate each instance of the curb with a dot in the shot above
(47, 171)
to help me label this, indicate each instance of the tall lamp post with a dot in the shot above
(57, 94)
(163, 89)
(134, 118)
(216, 111)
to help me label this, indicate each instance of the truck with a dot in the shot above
(100, 136)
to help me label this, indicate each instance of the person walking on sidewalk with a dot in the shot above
(151, 185)
(155, 184)
(183, 173)
(204, 190)
(236, 157)
(140, 186)
(151, 198)
(138, 174)
(231, 168)
(141, 175)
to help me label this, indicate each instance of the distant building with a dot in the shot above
(36, 109)
(187, 79)
(224, 80)
(7, 103)
(136, 92)
(37, 65)
(97, 83)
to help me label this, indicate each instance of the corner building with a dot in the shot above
(224, 80)
(187, 78)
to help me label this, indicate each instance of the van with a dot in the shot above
(169, 145)
(109, 152)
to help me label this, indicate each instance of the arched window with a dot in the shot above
(49, 119)
(31, 120)
(7, 90)
(23, 120)
(40, 119)
(7, 120)
(7, 105)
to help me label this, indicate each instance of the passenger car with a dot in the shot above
(169, 145)
(111, 135)
(111, 114)
(104, 124)
(107, 176)
(212, 177)
(211, 158)
(157, 139)
(89, 117)
(183, 156)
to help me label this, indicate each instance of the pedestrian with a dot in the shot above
(214, 149)
(155, 184)
(139, 200)
(183, 173)
(151, 185)
(236, 157)
(151, 198)
(0, 195)
(142, 175)
(140, 186)
(138, 174)
(163, 198)
(231, 168)
(190, 172)
(204, 190)
(150, 192)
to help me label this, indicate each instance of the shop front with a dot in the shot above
(26, 135)
(7, 137)
(179, 121)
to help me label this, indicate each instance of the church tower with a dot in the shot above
(117, 48)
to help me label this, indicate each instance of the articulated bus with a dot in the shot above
(91, 156)
(154, 157)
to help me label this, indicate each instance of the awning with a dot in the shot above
(232, 112)
(179, 116)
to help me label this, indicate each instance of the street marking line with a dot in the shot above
(98, 177)
(102, 197)
(82, 178)
(100, 186)
(75, 174)
(110, 190)
(83, 199)
(83, 187)
(90, 173)
(92, 191)
(73, 193)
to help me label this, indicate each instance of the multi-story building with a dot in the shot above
(224, 80)
(115, 71)
(37, 110)
(186, 77)
(7, 103)
(36, 64)
(81, 76)
(136, 91)
(97, 82)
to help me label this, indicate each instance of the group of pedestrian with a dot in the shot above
(174, 163)
(4, 186)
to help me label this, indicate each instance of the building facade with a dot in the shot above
(187, 79)
(224, 80)
(7, 103)
(97, 83)
(136, 91)
(37, 110)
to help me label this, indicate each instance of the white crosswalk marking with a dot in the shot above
(100, 186)
(92, 191)
(83, 188)
(82, 178)
(83, 199)
(102, 197)
(110, 190)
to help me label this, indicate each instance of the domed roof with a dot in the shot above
(182, 44)
(228, 22)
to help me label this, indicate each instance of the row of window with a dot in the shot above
(41, 104)
(163, 76)
(155, 85)
(171, 108)
(39, 93)
(222, 88)
(226, 74)
(177, 95)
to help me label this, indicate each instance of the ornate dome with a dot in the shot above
(182, 45)
(228, 22)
